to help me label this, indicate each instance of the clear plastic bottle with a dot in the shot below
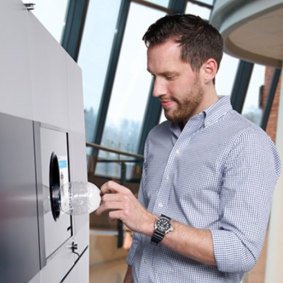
(79, 198)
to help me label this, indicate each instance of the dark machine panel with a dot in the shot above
(19, 243)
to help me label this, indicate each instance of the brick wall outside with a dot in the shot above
(272, 122)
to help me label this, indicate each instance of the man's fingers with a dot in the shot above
(111, 197)
(112, 187)
(116, 214)
(110, 205)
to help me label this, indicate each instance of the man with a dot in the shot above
(208, 175)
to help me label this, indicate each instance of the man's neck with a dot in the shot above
(210, 98)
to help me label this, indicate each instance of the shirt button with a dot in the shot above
(208, 124)
(177, 151)
(160, 204)
(167, 178)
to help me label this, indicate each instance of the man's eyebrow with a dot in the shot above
(169, 73)
(166, 73)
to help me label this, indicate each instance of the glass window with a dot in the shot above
(163, 3)
(251, 108)
(198, 10)
(162, 117)
(94, 55)
(226, 75)
(131, 87)
(52, 14)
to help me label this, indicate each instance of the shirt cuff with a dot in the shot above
(230, 253)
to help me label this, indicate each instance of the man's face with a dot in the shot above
(175, 83)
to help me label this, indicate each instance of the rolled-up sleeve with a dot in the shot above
(250, 172)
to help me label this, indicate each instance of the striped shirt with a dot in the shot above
(218, 174)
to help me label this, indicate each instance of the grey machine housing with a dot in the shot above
(41, 121)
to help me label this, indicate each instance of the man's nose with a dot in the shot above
(159, 88)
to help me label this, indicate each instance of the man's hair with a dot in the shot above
(198, 39)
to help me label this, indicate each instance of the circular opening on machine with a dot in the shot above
(54, 185)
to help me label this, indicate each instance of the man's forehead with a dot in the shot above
(167, 44)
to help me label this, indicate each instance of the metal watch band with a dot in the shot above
(157, 235)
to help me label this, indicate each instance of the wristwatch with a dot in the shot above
(162, 226)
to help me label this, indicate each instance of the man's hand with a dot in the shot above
(122, 204)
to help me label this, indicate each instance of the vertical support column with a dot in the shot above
(241, 85)
(75, 21)
(111, 71)
(274, 271)
(120, 225)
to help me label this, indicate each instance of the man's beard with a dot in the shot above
(186, 106)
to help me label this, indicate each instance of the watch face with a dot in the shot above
(163, 224)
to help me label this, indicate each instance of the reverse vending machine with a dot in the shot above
(42, 152)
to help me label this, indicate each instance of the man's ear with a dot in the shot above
(209, 69)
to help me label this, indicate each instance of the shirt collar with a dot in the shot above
(194, 124)
(217, 110)
(209, 116)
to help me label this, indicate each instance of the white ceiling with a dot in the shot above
(262, 36)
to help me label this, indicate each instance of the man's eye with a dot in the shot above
(170, 78)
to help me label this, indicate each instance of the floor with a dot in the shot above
(110, 272)
(107, 262)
